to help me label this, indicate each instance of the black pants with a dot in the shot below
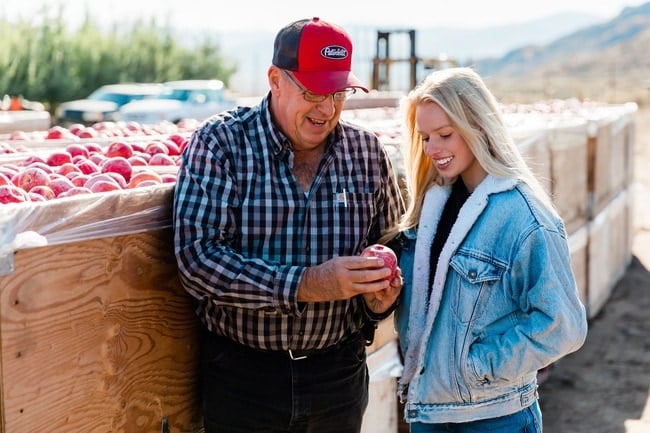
(251, 391)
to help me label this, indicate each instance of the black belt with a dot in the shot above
(293, 354)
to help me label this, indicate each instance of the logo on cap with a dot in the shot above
(334, 52)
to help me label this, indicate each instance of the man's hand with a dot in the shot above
(346, 277)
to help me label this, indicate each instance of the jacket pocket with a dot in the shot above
(474, 274)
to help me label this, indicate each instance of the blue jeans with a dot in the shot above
(528, 420)
(247, 390)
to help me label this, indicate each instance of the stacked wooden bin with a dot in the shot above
(583, 153)
(98, 336)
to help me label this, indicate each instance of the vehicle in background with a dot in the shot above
(183, 99)
(103, 104)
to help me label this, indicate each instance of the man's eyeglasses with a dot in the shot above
(339, 96)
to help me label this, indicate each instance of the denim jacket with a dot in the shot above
(503, 304)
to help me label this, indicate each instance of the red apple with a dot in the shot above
(384, 253)
(161, 159)
(87, 166)
(146, 183)
(9, 170)
(137, 160)
(156, 147)
(31, 177)
(43, 166)
(88, 132)
(100, 177)
(60, 185)
(119, 148)
(75, 128)
(146, 175)
(34, 197)
(80, 179)
(5, 180)
(75, 191)
(143, 155)
(58, 158)
(118, 164)
(97, 158)
(57, 132)
(103, 186)
(12, 194)
(66, 168)
(92, 147)
(75, 149)
(32, 158)
(117, 177)
(44, 191)
(168, 178)
(133, 126)
(173, 149)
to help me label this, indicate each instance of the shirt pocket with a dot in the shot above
(475, 275)
(354, 218)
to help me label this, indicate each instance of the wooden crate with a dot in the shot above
(536, 151)
(610, 155)
(578, 242)
(97, 334)
(568, 153)
(609, 250)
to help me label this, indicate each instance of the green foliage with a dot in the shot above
(51, 62)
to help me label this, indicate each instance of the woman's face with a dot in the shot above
(446, 148)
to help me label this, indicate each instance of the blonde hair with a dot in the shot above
(476, 115)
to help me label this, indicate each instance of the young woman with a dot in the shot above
(489, 295)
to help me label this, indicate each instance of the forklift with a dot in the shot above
(382, 62)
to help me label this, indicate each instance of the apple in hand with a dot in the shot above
(386, 254)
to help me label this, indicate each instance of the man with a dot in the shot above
(273, 205)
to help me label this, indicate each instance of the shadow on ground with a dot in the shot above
(607, 382)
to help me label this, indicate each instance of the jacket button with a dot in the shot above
(472, 274)
(413, 413)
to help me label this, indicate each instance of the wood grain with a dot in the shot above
(98, 336)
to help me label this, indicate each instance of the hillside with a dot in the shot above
(608, 61)
(250, 50)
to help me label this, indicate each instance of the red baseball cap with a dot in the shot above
(319, 55)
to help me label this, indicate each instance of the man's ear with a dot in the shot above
(274, 77)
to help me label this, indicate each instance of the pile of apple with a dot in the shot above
(97, 131)
(84, 168)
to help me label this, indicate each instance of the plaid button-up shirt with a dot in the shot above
(245, 231)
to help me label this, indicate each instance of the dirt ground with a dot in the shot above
(605, 386)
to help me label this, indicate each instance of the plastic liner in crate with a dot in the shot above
(82, 217)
